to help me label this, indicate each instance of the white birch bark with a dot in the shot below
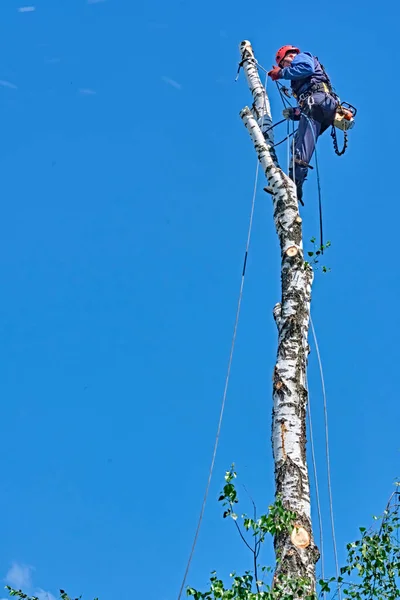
(297, 551)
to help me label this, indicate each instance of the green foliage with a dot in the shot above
(22, 596)
(315, 255)
(19, 594)
(373, 561)
(241, 588)
(253, 532)
(277, 519)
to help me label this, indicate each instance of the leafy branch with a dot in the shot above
(315, 255)
(372, 567)
(23, 596)
(373, 561)
(278, 519)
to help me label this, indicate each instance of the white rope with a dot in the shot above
(221, 414)
(224, 395)
(314, 462)
(293, 155)
(325, 412)
(288, 145)
(327, 452)
(311, 429)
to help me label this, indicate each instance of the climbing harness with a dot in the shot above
(317, 87)
(345, 112)
(344, 120)
(344, 117)
(303, 164)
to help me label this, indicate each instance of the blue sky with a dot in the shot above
(126, 178)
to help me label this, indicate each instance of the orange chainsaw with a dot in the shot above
(344, 117)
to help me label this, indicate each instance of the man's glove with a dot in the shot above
(291, 113)
(275, 73)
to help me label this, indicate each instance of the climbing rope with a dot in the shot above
(320, 368)
(321, 233)
(283, 90)
(275, 124)
(293, 155)
(224, 395)
(288, 146)
(328, 467)
(285, 103)
(314, 462)
(227, 378)
(284, 140)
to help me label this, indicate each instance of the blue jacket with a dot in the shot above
(303, 72)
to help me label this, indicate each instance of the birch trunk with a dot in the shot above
(296, 551)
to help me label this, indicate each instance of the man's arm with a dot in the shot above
(301, 66)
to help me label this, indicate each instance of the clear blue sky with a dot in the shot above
(126, 177)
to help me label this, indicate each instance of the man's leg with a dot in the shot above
(328, 111)
(304, 145)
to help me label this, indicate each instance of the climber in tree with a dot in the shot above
(316, 108)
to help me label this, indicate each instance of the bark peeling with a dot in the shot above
(296, 550)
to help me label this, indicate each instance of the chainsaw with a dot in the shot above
(344, 117)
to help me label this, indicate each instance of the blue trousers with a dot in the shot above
(315, 118)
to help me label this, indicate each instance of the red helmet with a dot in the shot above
(280, 55)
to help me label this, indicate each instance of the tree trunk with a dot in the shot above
(295, 551)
